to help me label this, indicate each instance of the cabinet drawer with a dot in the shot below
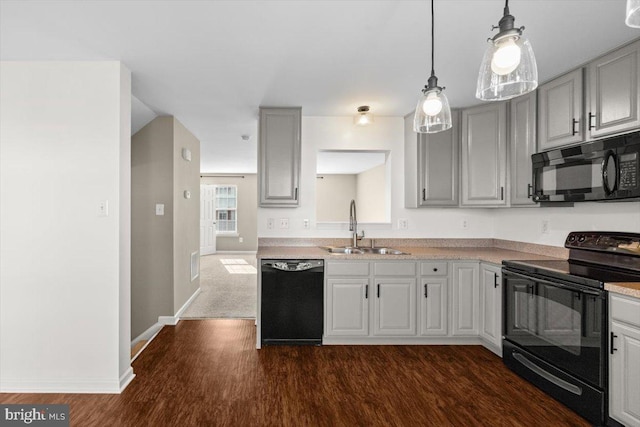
(394, 268)
(353, 268)
(625, 309)
(434, 268)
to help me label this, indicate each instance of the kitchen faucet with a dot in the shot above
(353, 224)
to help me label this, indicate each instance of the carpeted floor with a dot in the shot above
(228, 288)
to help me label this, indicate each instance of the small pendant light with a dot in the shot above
(433, 113)
(509, 67)
(633, 13)
(364, 117)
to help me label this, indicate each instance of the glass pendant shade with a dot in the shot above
(633, 13)
(364, 117)
(508, 69)
(433, 113)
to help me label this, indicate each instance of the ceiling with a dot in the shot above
(212, 63)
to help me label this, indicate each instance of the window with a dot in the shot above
(226, 209)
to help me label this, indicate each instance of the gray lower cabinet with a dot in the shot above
(279, 156)
(431, 165)
(560, 111)
(491, 306)
(522, 144)
(624, 357)
(347, 307)
(465, 299)
(614, 95)
(395, 306)
(434, 309)
(484, 155)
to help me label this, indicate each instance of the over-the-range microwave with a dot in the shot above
(605, 169)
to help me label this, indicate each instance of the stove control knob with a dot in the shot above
(581, 239)
(571, 238)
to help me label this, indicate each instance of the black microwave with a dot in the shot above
(605, 169)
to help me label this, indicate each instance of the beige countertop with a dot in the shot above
(631, 289)
(486, 254)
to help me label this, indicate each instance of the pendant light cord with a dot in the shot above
(432, 41)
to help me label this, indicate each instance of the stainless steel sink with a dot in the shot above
(363, 250)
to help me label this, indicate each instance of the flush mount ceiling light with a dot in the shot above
(363, 117)
(633, 13)
(509, 67)
(433, 113)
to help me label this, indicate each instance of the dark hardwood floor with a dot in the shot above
(208, 373)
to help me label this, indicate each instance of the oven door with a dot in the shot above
(561, 323)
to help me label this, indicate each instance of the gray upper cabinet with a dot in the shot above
(613, 96)
(560, 111)
(438, 166)
(279, 156)
(484, 155)
(522, 140)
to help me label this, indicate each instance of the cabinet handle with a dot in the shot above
(591, 116)
(613, 337)
(424, 194)
(495, 280)
(573, 126)
(501, 193)
(529, 191)
(426, 295)
(366, 291)
(295, 194)
(378, 290)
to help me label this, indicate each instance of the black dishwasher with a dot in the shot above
(292, 302)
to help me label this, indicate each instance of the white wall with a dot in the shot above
(372, 195)
(64, 270)
(525, 224)
(387, 133)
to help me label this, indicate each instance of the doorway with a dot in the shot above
(207, 219)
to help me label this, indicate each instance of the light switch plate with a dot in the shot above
(284, 222)
(186, 154)
(103, 208)
(159, 209)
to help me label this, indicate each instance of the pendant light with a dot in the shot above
(633, 13)
(433, 113)
(509, 67)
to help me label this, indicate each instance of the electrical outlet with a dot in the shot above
(270, 223)
(403, 224)
(305, 223)
(465, 223)
(240, 239)
(545, 226)
(284, 222)
(103, 208)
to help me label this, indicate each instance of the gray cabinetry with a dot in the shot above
(433, 295)
(279, 156)
(560, 111)
(484, 155)
(624, 368)
(613, 96)
(522, 145)
(491, 306)
(438, 166)
(465, 295)
(431, 165)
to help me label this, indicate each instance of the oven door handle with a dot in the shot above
(572, 388)
(575, 288)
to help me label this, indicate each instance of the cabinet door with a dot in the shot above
(433, 306)
(438, 166)
(395, 307)
(484, 156)
(624, 392)
(491, 300)
(279, 156)
(560, 110)
(347, 307)
(523, 144)
(613, 92)
(465, 296)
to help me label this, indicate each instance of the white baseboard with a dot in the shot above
(126, 378)
(71, 385)
(147, 336)
(236, 252)
(337, 340)
(173, 320)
